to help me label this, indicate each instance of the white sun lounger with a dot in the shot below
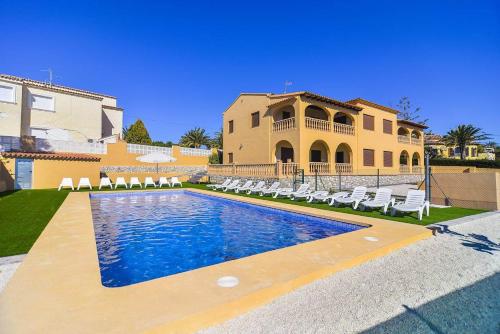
(358, 194)
(244, 187)
(175, 181)
(164, 181)
(233, 185)
(134, 181)
(414, 202)
(382, 199)
(105, 182)
(223, 184)
(120, 181)
(306, 195)
(327, 197)
(84, 183)
(304, 188)
(256, 188)
(66, 182)
(269, 190)
(148, 181)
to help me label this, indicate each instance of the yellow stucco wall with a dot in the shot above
(258, 145)
(48, 173)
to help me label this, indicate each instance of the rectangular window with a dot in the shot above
(42, 102)
(368, 122)
(255, 119)
(368, 157)
(230, 158)
(231, 126)
(7, 94)
(387, 159)
(387, 126)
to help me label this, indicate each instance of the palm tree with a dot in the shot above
(216, 141)
(195, 138)
(463, 135)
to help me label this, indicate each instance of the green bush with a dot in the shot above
(469, 163)
(214, 159)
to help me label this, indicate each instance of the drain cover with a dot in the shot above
(228, 281)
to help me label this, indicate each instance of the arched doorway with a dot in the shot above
(319, 158)
(415, 163)
(343, 159)
(284, 152)
(343, 118)
(404, 162)
(283, 113)
(316, 112)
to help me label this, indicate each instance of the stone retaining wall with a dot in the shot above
(332, 182)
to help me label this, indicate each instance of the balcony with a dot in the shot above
(319, 167)
(284, 125)
(404, 169)
(343, 168)
(317, 124)
(344, 129)
(416, 141)
(403, 139)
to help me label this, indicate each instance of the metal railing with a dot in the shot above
(146, 149)
(344, 129)
(9, 143)
(195, 152)
(52, 145)
(343, 168)
(319, 167)
(283, 125)
(317, 124)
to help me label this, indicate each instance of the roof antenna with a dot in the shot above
(50, 75)
(287, 83)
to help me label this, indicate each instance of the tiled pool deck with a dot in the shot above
(57, 288)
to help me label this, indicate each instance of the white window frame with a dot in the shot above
(43, 96)
(13, 92)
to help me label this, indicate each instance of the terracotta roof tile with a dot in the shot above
(51, 156)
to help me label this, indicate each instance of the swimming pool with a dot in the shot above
(147, 235)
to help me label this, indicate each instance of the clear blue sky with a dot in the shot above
(179, 65)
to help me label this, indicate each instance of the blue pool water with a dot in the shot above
(142, 236)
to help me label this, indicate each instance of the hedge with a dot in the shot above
(469, 163)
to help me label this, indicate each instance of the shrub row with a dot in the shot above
(469, 163)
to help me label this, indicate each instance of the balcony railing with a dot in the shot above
(283, 125)
(416, 141)
(52, 145)
(344, 129)
(317, 124)
(146, 149)
(319, 167)
(404, 139)
(404, 169)
(343, 168)
(289, 168)
(195, 152)
(416, 169)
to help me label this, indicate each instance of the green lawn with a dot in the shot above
(25, 213)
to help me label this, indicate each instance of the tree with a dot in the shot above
(463, 135)
(195, 138)
(214, 159)
(407, 113)
(162, 144)
(216, 141)
(137, 134)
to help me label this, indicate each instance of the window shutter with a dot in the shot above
(42, 102)
(231, 126)
(368, 122)
(368, 157)
(387, 159)
(255, 119)
(387, 126)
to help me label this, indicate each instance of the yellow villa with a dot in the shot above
(320, 134)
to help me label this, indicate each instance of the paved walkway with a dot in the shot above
(8, 266)
(446, 284)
